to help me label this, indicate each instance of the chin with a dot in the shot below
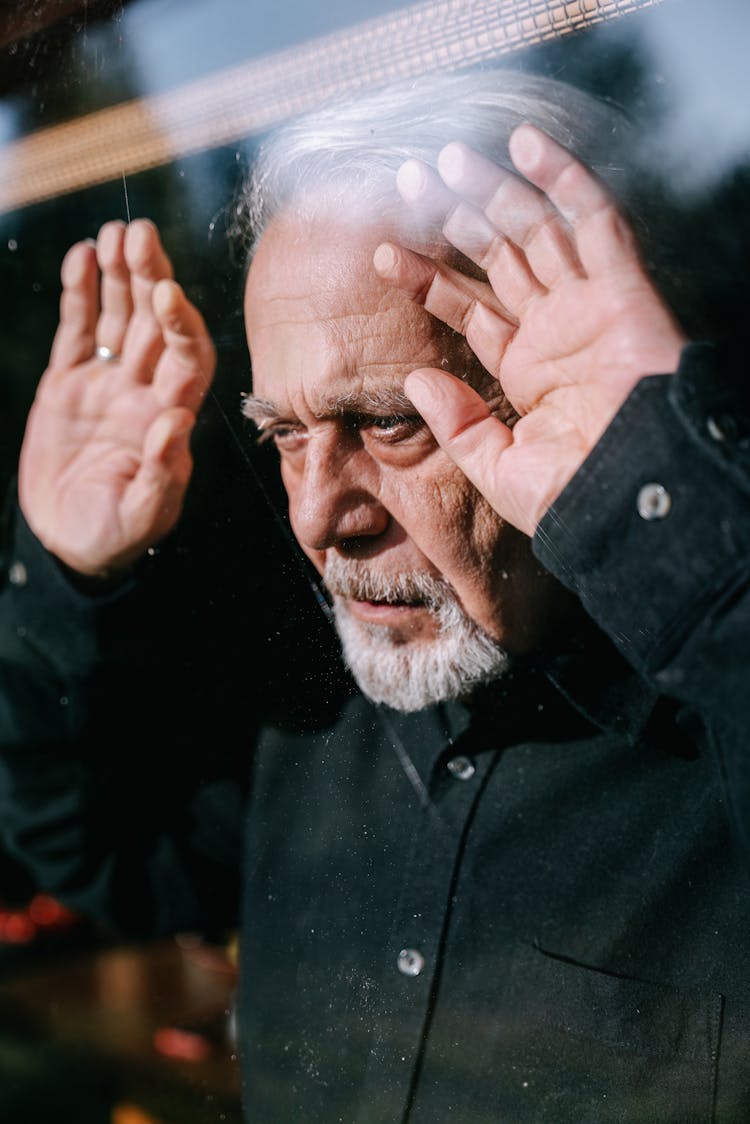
(411, 670)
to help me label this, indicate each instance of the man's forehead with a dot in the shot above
(327, 336)
(295, 242)
(321, 278)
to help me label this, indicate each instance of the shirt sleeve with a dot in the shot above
(653, 535)
(106, 794)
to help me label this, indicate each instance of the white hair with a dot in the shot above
(348, 151)
(404, 674)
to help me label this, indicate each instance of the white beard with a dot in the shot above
(408, 675)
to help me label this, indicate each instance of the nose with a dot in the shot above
(333, 496)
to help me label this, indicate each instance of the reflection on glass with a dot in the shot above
(531, 902)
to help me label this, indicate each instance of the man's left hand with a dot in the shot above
(568, 320)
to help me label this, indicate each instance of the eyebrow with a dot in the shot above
(378, 401)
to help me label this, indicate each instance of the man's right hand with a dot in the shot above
(106, 461)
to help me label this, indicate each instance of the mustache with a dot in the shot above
(356, 581)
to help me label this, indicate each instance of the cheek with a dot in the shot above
(448, 520)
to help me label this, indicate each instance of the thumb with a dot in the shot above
(461, 423)
(153, 501)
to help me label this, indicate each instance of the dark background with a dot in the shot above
(679, 67)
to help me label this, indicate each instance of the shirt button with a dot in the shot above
(654, 501)
(17, 574)
(722, 428)
(410, 961)
(462, 768)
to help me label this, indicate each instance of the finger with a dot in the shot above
(165, 446)
(603, 239)
(116, 299)
(79, 307)
(510, 204)
(185, 369)
(153, 501)
(421, 187)
(447, 294)
(468, 230)
(515, 208)
(463, 426)
(507, 268)
(148, 264)
(466, 305)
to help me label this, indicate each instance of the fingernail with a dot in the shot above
(524, 145)
(410, 180)
(451, 163)
(417, 386)
(384, 259)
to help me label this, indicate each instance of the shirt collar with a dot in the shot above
(581, 686)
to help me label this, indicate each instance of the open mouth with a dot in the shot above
(385, 597)
(393, 603)
(381, 609)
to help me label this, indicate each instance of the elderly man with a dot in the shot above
(493, 869)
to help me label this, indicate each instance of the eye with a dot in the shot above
(391, 427)
(287, 438)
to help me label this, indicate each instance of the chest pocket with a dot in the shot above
(591, 1047)
(557, 1042)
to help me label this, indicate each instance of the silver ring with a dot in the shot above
(106, 354)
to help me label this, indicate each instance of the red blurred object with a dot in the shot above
(185, 1045)
(16, 928)
(41, 916)
(48, 913)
